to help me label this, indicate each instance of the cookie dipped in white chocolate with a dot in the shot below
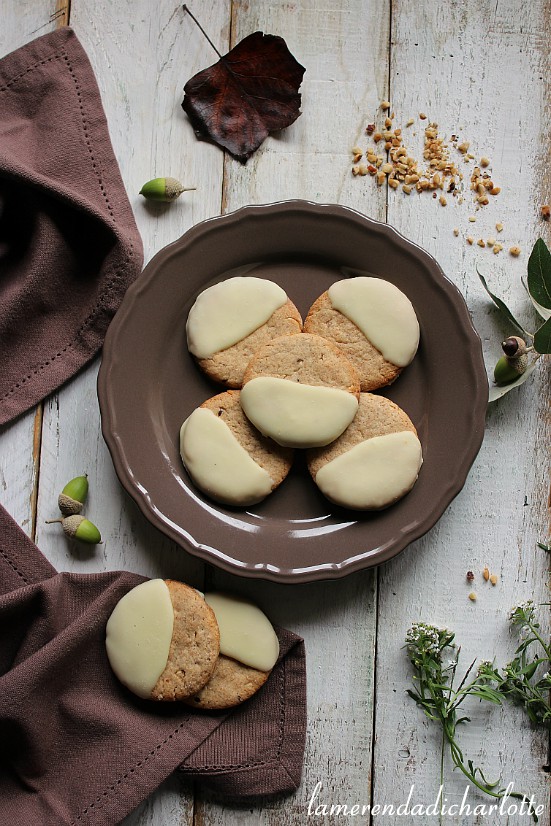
(297, 415)
(138, 636)
(383, 313)
(246, 633)
(373, 474)
(228, 312)
(218, 464)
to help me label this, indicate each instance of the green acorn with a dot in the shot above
(165, 190)
(78, 527)
(73, 495)
(514, 363)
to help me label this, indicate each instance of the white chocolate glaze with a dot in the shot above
(218, 464)
(382, 312)
(374, 473)
(246, 633)
(297, 415)
(138, 636)
(230, 311)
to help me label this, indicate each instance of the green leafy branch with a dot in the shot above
(435, 694)
(521, 354)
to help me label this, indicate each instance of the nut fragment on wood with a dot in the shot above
(472, 596)
(515, 251)
(486, 573)
(546, 212)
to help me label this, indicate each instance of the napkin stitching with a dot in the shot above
(215, 769)
(28, 70)
(109, 287)
(86, 133)
(12, 565)
(105, 794)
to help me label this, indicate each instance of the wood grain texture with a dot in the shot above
(478, 70)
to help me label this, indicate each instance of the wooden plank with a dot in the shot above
(20, 440)
(141, 60)
(344, 49)
(480, 71)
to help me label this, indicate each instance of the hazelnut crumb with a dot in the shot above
(497, 248)
(493, 579)
(481, 242)
(422, 115)
(355, 170)
(472, 219)
(392, 182)
(463, 147)
(514, 251)
(386, 168)
(407, 188)
(491, 241)
(470, 239)
(456, 232)
(356, 150)
(410, 122)
(362, 169)
(377, 137)
(472, 596)
(370, 128)
(546, 212)
(442, 200)
(486, 573)
(484, 162)
(385, 104)
(499, 226)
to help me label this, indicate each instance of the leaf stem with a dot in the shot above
(185, 8)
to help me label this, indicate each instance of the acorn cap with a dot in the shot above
(78, 527)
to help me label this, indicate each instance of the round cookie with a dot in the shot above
(249, 649)
(231, 683)
(227, 457)
(373, 324)
(374, 463)
(230, 321)
(162, 640)
(300, 391)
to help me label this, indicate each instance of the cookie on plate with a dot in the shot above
(372, 322)
(249, 649)
(162, 640)
(300, 391)
(231, 320)
(226, 457)
(374, 463)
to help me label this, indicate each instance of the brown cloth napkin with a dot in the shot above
(69, 246)
(76, 747)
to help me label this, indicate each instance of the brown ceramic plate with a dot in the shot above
(148, 384)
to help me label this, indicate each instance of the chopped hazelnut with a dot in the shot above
(385, 104)
(499, 227)
(470, 576)
(514, 251)
(546, 212)
(481, 242)
(470, 239)
(392, 182)
(406, 188)
(456, 232)
(443, 201)
(493, 579)
(491, 241)
(472, 596)
(472, 219)
(386, 168)
(410, 122)
(422, 116)
(486, 573)
(377, 137)
(484, 162)
(463, 147)
(497, 248)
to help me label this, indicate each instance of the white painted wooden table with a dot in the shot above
(481, 69)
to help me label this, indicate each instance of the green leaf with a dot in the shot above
(539, 274)
(542, 338)
(502, 307)
(496, 392)
(541, 311)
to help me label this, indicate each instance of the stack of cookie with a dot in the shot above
(166, 641)
(302, 386)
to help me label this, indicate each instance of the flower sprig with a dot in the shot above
(427, 647)
(520, 680)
